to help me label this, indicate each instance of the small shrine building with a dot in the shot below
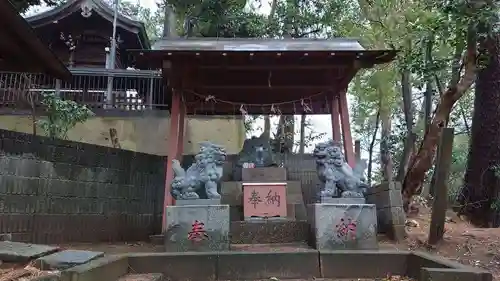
(258, 76)
(89, 24)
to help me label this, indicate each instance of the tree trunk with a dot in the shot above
(408, 149)
(409, 145)
(465, 120)
(285, 134)
(302, 143)
(289, 133)
(422, 160)
(385, 135)
(370, 149)
(481, 182)
(267, 126)
(267, 117)
(34, 120)
(170, 22)
(429, 91)
(455, 70)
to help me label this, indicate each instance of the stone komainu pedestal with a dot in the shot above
(327, 200)
(197, 228)
(343, 226)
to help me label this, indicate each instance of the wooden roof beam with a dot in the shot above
(270, 67)
(263, 87)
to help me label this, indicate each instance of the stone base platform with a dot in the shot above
(269, 231)
(260, 232)
(342, 200)
(197, 228)
(191, 202)
(343, 226)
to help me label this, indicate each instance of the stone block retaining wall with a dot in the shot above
(54, 191)
(390, 214)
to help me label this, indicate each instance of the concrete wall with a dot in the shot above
(146, 134)
(54, 191)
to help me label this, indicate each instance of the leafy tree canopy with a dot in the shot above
(23, 5)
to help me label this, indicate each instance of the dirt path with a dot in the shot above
(462, 242)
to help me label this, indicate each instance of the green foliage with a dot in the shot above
(249, 123)
(413, 26)
(62, 115)
(152, 19)
(23, 5)
(311, 136)
(221, 20)
(457, 169)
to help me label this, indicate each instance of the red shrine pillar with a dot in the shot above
(175, 146)
(346, 129)
(180, 143)
(340, 109)
(335, 118)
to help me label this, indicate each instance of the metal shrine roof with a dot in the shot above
(290, 49)
(251, 44)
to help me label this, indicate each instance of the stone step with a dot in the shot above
(274, 247)
(157, 239)
(268, 232)
(261, 232)
(142, 277)
(23, 252)
(66, 259)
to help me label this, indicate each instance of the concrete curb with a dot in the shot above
(304, 264)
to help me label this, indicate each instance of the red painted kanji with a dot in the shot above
(197, 232)
(346, 229)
